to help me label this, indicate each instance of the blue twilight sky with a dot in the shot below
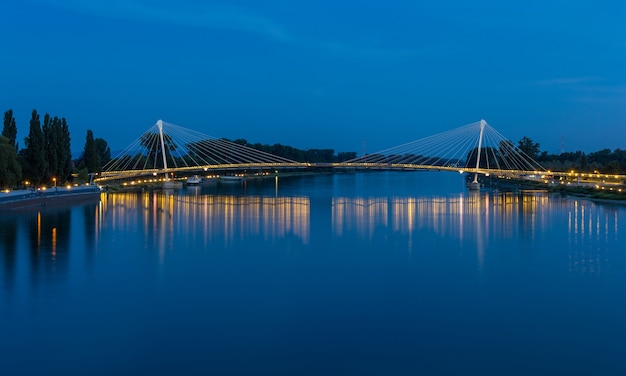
(315, 74)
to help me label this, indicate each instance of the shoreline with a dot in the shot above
(18, 200)
(621, 202)
(587, 192)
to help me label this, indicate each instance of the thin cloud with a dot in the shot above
(605, 93)
(589, 89)
(364, 52)
(205, 16)
(567, 81)
(224, 18)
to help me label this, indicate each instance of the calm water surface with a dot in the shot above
(372, 273)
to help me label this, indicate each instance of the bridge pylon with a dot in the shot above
(159, 125)
(483, 123)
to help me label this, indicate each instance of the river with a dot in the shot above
(381, 273)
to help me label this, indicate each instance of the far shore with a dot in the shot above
(589, 192)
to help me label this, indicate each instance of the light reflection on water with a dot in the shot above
(447, 216)
(591, 229)
(164, 218)
(166, 215)
(477, 217)
(317, 265)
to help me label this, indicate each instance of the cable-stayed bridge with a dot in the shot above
(168, 149)
(172, 150)
(477, 148)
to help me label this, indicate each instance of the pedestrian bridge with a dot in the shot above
(169, 150)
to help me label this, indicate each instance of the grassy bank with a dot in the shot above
(617, 193)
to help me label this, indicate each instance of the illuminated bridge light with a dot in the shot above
(183, 150)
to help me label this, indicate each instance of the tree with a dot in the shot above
(152, 143)
(601, 157)
(613, 167)
(507, 149)
(583, 162)
(91, 160)
(10, 169)
(65, 151)
(10, 129)
(319, 155)
(34, 155)
(51, 144)
(103, 150)
(488, 158)
(528, 147)
(58, 149)
(345, 156)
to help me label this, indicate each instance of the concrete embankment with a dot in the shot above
(51, 197)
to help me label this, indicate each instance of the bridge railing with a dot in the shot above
(128, 174)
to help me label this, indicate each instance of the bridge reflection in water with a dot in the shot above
(39, 241)
(473, 219)
(588, 226)
(447, 216)
(482, 217)
(163, 214)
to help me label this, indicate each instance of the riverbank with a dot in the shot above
(616, 194)
(57, 196)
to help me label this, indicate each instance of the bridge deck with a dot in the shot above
(242, 167)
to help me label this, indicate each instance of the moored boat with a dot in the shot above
(194, 180)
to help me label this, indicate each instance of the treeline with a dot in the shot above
(309, 155)
(46, 157)
(603, 161)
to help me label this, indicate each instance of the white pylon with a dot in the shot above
(480, 143)
(160, 126)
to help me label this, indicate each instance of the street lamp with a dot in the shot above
(55, 183)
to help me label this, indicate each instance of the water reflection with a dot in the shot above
(506, 213)
(591, 228)
(49, 235)
(162, 214)
(8, 248)
(482, 218)
(37, 244)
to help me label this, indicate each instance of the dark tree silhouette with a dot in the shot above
(103, 150)
(91, 160)
(34, 166)
(10, 169)
(152, 143)
(528, 147)
(10, 129)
